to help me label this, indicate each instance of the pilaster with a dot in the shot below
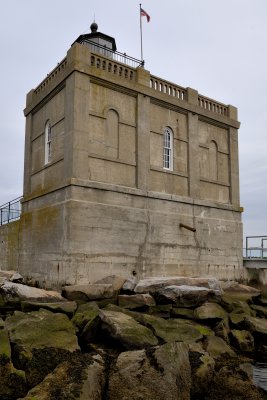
(143, 142)
(77, 100)
(234, 168)
(193, 155)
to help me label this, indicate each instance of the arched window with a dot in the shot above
(48, 142)
(168, 149)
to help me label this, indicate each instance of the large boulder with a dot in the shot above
(114, 280)
(242, 340)
(210, 311)
(161, 374)
(202, 369)
(84, 293)
(125, 330)
(40, 341)
(66, 307)
(261, 311)
(136, 301)
(80, 378)
(184, 295)
(240, 292)
(12, 381)
(231, 304)
(173, 330)
(16, 292)
(256, 325)
(217, 347)
(87, 321)
(153, 284)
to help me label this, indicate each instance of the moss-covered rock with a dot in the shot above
(161, 373)
(242, 340)
(174, 330)
(65, 307)
(210, 311)
(261, 311)
(12, 381)
(41, 340)
(216, 347)
(202, 369)
(180, 312)
(136, 301)
(80, 378)
(125, 330)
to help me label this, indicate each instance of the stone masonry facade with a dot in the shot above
(102, 201)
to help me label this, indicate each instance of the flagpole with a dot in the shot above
(141, 35)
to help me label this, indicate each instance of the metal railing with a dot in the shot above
(10, 211)
(255, 247)
(114, 55)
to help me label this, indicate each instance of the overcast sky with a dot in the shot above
(216, 47)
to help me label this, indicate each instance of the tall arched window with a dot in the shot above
(168, 149)
(48, 142)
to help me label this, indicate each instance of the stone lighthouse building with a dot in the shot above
(124, 172)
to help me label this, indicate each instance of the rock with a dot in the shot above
(202, 369)
(184, 296)
(84, 314)
(12, 381)
(126, 330)
(256, 325)
(179, 312)
(261, 311)
(83, 293)
(66, 307)
(236, 306)
(152, 285)
(231, 382)
(117, 282)
(216, 347)
(80, 378)
(237, 320)
(16, 292)
(2, 324)
(40, 341)
(248, 369)
(242, 340)
(87, 320)
(240, 292)
(135, 301)
(130, 284)
(163, 374)
(210, 311)
(222, 330)
(16, 278)
(176, 330)
(262, 300)
(163, 310)
(6, 275)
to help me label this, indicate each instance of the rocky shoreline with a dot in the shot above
(157, 338)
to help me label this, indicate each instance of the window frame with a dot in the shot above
(48, 142)
(168, 149)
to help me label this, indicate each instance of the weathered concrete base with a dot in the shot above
(256, 271)
(84, 232)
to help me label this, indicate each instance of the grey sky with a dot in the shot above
(216, 47)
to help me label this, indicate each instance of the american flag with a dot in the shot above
(145, 14)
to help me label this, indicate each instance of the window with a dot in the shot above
(168, 149)
(48, 142)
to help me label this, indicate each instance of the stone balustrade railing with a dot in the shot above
(213, 106)
(168, 88)
(53, 74)
(115, 68)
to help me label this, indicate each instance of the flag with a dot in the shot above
(144, 14)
